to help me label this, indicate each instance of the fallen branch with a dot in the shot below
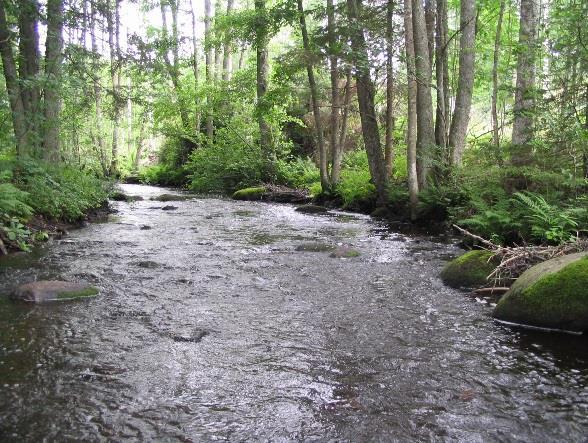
(516, 260)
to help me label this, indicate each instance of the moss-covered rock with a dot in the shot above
(171, 198)
(552, 294)
(345, 252)
(119, 196)
(469, 270)
(48, 291)
(250, 193)
(315, 247)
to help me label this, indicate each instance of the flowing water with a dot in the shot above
(211, 325)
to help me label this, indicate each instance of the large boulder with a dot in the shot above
(250, 193)
(48, 291)
(552, 294)
(469, 270)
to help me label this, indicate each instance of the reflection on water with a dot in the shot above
(237, 335)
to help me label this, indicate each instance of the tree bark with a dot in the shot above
(345, 116)
(425, 130)
(209, 68)
(12, 86)
(430, 20)
(195, 68)
(411, 126)
(367, 110)
(336, 151)
(389, 140)
(523, 125)
(29, 69)
(314, 101)
(465, 85)
(442, 78)
(53, 59)
(96, 81)
(495, 124)
(262, 67)
(227, 50)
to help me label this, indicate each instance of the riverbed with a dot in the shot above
(219, 320)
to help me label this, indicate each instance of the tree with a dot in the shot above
(314, 101)
(465, 85)
(367, 109)
(53, 60)
(523, 129)
(424, 102)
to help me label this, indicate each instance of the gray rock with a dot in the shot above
(311, 209)
(48, 291)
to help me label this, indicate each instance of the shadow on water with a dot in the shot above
(217, 321)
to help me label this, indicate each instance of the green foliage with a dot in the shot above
(164, 175)
(16, 232)
(298, 172)
(355, 187)
(548, 223)
(59, 192)
(13, 202)
(226, 166)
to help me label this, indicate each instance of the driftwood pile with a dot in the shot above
(283, 194)
(517, 259)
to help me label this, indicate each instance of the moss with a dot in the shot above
(553, 294)
(249, 193)
(345, 252)
(469, 270)
(90, 291)
(171, 198)
(315, 247)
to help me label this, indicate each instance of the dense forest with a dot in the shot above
(467, 112)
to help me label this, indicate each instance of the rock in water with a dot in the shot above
(552, 294)
(469, 270)
(48, 291)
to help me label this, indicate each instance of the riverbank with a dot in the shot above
(39, 201)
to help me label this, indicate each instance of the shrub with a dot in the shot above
(298, 172)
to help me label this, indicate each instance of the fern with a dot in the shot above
(12, 202)
(548, 223)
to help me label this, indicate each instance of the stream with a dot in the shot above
(218, 322)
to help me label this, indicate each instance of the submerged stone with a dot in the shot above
(469, 270)
(311, 209)
(250, 193)
(169, 208)
(122, 197)
(552, 294)
(344, 252)
(315, 247)
(49, 290)
(148, 264)
(171, 198)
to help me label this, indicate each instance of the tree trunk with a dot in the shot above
(465, 85)
(195, 69)
(314, 100)
(389, 141)
(12, 86)
(261, 43)
(495, 124)
(523, 125)
(345, 116)
(430, 20)
(442, 80)
(425, 130)
(29, 70)
(53, 59)
(411, 126)
(335, 96)
(367, 110)
(227, 52)
(209, 68)
(96, 80)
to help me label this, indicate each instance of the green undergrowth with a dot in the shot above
(30, 188)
